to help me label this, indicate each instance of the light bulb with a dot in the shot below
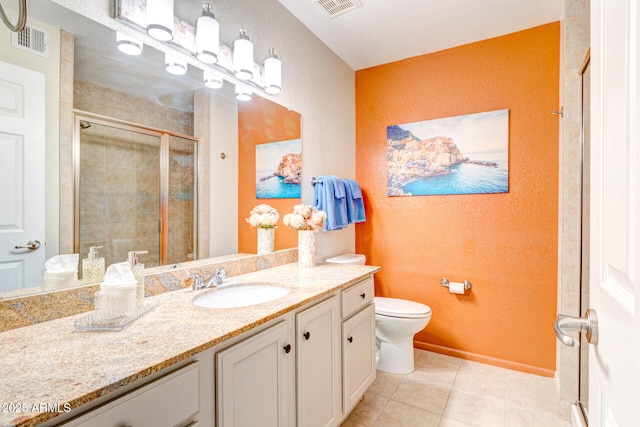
(212, 81)
(272, 73)
(243, 93)
(175, 65)
(243, 56)
(160, 19)
(128, 45)
(207, 36)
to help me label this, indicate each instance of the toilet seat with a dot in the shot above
(395, 307)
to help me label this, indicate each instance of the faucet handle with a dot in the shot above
(197, 282)
(221, 272)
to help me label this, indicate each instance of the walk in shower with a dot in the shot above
(135, 190)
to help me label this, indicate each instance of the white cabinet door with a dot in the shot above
(168, 401)
(318, 367)
(253, 380)
(358, 356)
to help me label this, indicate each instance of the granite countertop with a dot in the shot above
(52, 363)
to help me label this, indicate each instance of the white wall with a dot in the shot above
(223, 222)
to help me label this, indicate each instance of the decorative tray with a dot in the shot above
(91, 323)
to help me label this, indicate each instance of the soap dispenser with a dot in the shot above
(138, 272)
(93, 266)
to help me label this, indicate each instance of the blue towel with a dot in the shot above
(329, 196)
(355, 205)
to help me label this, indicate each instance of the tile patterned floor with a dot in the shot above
(446, 391)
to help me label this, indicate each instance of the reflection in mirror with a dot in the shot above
(83, 70)
(262, 122)
(136, 192)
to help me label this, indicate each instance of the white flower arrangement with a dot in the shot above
(263, 216)
(304, 217)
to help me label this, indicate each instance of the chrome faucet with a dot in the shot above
(216, 280)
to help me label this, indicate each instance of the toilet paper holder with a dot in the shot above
(445, 282)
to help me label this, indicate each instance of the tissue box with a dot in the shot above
(112, 303)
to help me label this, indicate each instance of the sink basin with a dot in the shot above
(241, 295)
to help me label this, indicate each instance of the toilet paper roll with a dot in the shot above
(456, 288)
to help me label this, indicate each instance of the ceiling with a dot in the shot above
(383, 31)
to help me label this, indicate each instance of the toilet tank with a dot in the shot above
(358, 259)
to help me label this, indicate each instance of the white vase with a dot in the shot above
(307, 248)
(266, 239)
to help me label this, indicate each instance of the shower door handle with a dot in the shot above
(588, 324)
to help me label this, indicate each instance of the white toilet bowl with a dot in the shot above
(397, 321)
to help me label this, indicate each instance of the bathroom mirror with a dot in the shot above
(96, 61)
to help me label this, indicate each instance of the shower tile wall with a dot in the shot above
(99, 100)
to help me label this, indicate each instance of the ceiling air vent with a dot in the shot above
(338, 7)
(32, 39)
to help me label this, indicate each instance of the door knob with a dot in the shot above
(587, 324)
(32, 245)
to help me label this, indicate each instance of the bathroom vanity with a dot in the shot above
(303, 359)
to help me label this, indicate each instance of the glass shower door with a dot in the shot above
(136, 190)
(181, 204)
(118, 199)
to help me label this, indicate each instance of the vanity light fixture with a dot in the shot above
(128, 45)
(272, 73)
(160, 19)
(207, 36)
(243, 56)
(212, 81)
(202, 42)
(243, 93)
(175, 65)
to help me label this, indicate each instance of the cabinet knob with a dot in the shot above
(287, 348)
(363, 295)
(350, 339)
(307, 335)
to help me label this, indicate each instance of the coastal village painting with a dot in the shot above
(456, 155)
(278, 169)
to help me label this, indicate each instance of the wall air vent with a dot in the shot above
(32, 39)
(338, 7)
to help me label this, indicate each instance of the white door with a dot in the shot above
(614, 373)
(21, 176)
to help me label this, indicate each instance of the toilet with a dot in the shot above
(397, 321)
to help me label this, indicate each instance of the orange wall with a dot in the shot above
(261, 121)
(506, 245)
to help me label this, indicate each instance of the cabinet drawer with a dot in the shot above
(167, 401)
(357, 296)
